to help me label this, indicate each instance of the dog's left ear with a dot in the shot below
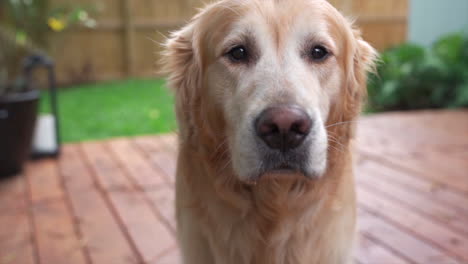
(361, 61)
(365, 57)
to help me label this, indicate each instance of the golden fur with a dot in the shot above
(286, 220)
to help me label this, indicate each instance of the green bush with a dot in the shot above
(413, 77)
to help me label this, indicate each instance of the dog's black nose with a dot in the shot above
(283, 127)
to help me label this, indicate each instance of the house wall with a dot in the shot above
(429, 19)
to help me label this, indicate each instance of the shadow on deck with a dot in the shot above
(110, 202)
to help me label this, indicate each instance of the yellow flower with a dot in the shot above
(56, 24)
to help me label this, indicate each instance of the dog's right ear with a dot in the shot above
(181, 62)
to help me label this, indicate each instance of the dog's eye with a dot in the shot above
(238, 54)
(319, 53)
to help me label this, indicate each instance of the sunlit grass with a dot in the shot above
(113, 109)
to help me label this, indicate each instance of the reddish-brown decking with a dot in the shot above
(110, 202)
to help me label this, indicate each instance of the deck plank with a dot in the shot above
(101, 235)
(74, 171)
(108, 176)
(415, 131)
(13, 194)
(399, 241)
(151, 237)
(424, 227)
(170, 143)
(43, 181)
(417, 201)
(156, 188)
(16, 239)
(163, 200)
(171, 257)
(431, 190)
(419, 167)
(425, 134)
(369, 251)
(137, 166)
(16, 234)
(158, 155)
(148, 234)
(55, 234)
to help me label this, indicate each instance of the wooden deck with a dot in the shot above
(110, 202)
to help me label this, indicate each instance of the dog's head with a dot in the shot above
(266, 80)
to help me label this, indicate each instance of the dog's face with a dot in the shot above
(275, 69)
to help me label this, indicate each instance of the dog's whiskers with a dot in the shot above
(335, 140)
(335, 148)
(222, 144)
(217, 156)
(342, 123)
(340, 146)
(226, 164)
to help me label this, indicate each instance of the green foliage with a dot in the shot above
(413, 77)
(26, 18)
(31, 20)
(25, 28)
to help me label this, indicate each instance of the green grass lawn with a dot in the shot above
(113, 109)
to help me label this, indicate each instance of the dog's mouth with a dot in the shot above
(285, 167)
(283, 171)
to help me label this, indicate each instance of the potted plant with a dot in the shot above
(25, 28)
(18, 111)
(18, 108)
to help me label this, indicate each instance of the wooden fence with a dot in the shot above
(125, 42)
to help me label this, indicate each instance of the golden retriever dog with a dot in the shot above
(266, 94)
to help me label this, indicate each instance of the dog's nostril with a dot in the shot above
(274, 129)
(283, 127)
(299, 127)
(267, 128)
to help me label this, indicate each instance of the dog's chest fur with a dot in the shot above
(270, 236)
(281, 223)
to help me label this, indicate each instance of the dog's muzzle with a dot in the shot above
(283, 134)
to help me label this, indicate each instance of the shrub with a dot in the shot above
(413, 77)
